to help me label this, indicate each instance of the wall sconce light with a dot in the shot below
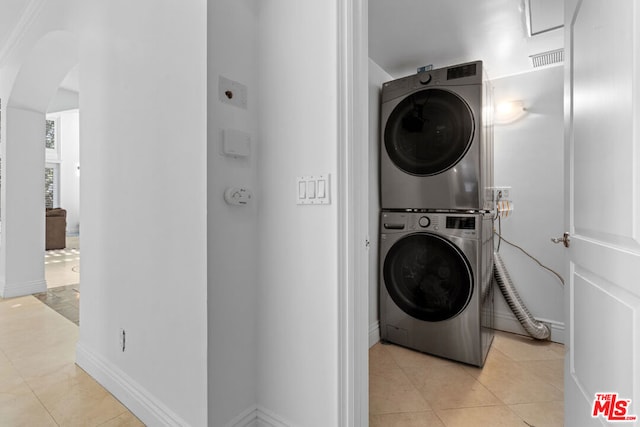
(509, 112)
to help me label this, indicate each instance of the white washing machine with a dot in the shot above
(436, 150)
(435, 292)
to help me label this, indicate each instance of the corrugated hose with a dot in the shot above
(535, 328)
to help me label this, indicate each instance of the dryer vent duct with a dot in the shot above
(536, 329)
(547, 58)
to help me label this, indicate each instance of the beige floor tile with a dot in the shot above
(74, 398)
(380, 359)
(20, 407)
(406, 358)
(125, 420)
(543, 414)
(414, 419)
(450, 387)
(550, 371)
(391, 391)
(486, 416)
(495, 360)
(521, 348)
(513, 384)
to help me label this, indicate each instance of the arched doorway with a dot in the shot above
(23, 155)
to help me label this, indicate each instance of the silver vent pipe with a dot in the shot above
(535, 328)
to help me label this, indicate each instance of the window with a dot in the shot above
(51, 178)
(52, 139)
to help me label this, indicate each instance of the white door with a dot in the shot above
(602, 111)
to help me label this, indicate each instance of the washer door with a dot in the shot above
(429, 132)
(428, 277)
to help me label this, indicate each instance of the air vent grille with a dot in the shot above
(547, 58)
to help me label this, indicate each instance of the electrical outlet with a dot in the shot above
(501, 193)
(123, 339)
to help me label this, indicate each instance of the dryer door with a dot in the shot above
(428, 277)
(428, 132)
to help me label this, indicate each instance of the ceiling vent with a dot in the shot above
(547, 58)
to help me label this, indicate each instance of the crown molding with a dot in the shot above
(30, 13)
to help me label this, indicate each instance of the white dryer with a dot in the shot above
(436, 150)
(436, 275)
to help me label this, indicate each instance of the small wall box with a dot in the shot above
(236, 143)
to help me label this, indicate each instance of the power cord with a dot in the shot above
(500, 239)
(530, 256)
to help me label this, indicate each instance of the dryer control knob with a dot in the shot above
(425, 79)
(424, 221)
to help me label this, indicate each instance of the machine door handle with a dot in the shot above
(565, 240)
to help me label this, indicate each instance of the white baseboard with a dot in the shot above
(374, 333)
(247, 418)
(266, 418)
(12, 290)
(257, 416)
(142, 403)
(509, 323)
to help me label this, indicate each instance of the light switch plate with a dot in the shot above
(313, 190)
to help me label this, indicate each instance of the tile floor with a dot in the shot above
(40, 384)
(520, 385)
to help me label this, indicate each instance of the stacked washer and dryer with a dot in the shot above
(436, 228)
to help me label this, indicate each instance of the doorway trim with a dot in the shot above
(353, 290)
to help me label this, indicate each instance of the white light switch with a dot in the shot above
(313, 190)
(302, 189)
(322, 188)
(311, 186)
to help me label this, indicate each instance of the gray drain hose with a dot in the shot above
(536, 329)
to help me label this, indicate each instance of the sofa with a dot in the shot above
(55, 228)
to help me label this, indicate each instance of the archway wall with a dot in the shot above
(143, 129)
(40, 53)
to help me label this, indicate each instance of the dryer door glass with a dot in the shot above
(428, 277)
(429, 132)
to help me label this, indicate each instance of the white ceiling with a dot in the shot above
(10, 13)
(406, 34)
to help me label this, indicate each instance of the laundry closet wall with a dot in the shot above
(529, 157)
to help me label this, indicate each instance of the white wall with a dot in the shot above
(233, 280)
(377, 76)
(529, 157)
(69, 173)
(64, 100)
(298, 298)
(143, 194)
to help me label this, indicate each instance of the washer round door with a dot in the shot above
(429, 132)
(428, 277)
